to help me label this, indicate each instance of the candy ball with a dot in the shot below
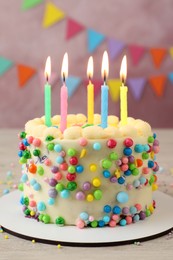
(122, 197)
(111, 143)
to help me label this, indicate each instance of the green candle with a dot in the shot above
(47, 94)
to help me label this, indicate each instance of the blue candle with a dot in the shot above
(104, 105)
(104, 92)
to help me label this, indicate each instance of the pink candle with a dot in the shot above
(64, 107)
(64, 95)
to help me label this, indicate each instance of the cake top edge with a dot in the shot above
(77, 127)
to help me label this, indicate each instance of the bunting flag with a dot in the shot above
(73, 28)
(158, 54)
(171, 52)
(24, 74)
(94, 40)
(53, 79)
(72, 84)
(136, 52)
(28, 4)
(114, 89)
(52, 15)
(170, 77)
(158, 84)
(5, 65)
(115, 48)
(136, 85)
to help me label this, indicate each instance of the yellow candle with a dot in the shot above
(90, 92)
(123, 92)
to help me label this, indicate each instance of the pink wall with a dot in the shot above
(23, 40)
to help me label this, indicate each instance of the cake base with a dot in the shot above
(13, 221)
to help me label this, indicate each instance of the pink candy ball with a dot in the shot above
(58, 176)
(129, 186)
(30, 139)
(83, 141)
(91, 218)
(124, 167)
(63, 166)
(47, 162)
(36, 142)
(112, 223)
(138, 207)
(32, 203)
(129, 219)
(80, 223)
(145, 170)
(125, 160)
(115, 217)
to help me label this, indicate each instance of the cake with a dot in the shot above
(87, 175)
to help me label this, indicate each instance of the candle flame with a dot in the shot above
(47, 71)
(105, 66)
(90, 68)
(123, 70)
(64, 69)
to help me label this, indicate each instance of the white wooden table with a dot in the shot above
(16, 248)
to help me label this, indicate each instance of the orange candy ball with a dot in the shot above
(32, 168)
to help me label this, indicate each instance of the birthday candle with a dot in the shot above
(47, 93)
(90, 92)
(104, 91)
(64, 94)
(123, 92)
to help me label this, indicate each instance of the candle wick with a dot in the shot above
(104, 79)
(89, 77)
(47, 78)
(63, 77)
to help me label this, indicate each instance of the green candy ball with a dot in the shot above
(98, 194)
(60, 221)
(94, 223)
(71, 152)
(36, 152)
(72, 186)
(113, 156)
(106, 164)
(50, 146)
(46, 219)
(60, 187)
(40, 170)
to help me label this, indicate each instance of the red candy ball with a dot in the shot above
(71, 177)
(128, 142)
(73, 160)
(111, 143)
(21, 146)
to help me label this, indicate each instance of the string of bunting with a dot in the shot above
(53, 15)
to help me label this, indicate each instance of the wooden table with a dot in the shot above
(16, 248)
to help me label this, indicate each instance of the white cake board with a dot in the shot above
(13, 221)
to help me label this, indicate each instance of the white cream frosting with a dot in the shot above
(76, 128)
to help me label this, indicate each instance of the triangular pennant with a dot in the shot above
(158, 54)
(171, 52)
(5, 65)
(158, 84)
(136, 52)
(53, 79)
(28, 4)
(72, 84)
(94, 40)
(24, 74)
(115, 48)
(114, 89)
(136, 85)
(170, 76)
(52, 15)
(73, 28)
(97, 85)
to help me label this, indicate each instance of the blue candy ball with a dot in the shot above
(57, 148)
(97, 146)
(65, 194)
(106, 174)
(122, 197)
(79, 168)
(41, 206)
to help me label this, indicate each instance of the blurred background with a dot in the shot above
(31, 30)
